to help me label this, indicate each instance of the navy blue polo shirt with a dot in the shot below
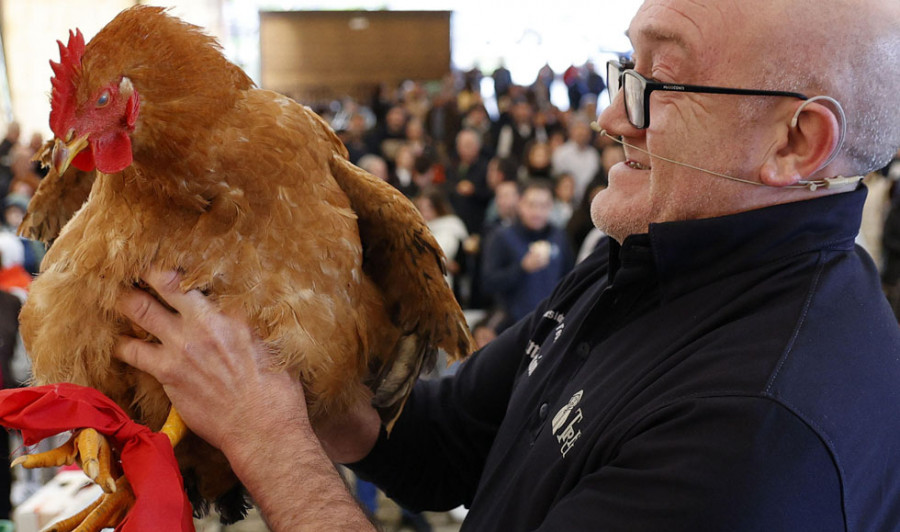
(733, 373)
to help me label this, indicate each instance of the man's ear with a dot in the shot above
(811, 138)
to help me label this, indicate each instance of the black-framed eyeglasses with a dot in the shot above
(638, 90)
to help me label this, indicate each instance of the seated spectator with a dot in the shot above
(580, 224)
(563, 201)
(7, 148)
(14, 208)
(514, 130)
(502, 174)
(485, 330)
(447, 228)
(376, 166)
(501, 213)
(578, 156)
(467, 181)
(353, 135)
(478, 120)
(387, 138)
(523, 263)
(425, 172)
(609, 156)
(537, 162)
(404, 171)
(417, 139)
(13, 277)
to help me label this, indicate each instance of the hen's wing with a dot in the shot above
(56, 200)
(401, 256)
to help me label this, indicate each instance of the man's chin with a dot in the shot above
(618, 219)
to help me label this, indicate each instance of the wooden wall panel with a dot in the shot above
(315, 55)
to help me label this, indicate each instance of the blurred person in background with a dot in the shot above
(8, 148)
(449, 231)
(577, 156)
(522, 263)
(537, 164)
(563, 200)
(467, 181)
(513, 130)
(387, 137)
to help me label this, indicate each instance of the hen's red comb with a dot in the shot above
(65, 75)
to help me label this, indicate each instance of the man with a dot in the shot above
(733, 365)
(523, 262)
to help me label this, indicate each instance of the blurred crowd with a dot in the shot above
(507, 194)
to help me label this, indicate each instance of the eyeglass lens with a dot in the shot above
(634, 99)
(613, 72)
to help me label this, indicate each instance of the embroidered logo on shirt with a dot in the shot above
(534, 351)
(554, 315)
(568, 432)
(558, 331)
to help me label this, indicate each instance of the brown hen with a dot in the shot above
(251, 196)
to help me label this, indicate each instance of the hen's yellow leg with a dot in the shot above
(105, 512)
(174, 427)
(96, 459)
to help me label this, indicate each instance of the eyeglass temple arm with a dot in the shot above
(676, 87)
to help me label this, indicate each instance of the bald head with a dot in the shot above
(846, 49)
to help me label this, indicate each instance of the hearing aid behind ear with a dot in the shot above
(842, 118)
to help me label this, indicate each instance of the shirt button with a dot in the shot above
(583, 349)
(542, 413)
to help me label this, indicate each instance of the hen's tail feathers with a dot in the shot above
(232, 506)
(393, 383)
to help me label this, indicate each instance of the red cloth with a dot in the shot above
(147, 457)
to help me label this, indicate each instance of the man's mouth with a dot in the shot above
(636, 165)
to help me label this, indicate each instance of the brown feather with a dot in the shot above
(55, 201)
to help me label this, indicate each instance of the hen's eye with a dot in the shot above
(103, 100)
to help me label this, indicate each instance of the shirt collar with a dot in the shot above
(691, 253)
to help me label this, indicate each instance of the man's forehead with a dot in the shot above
(682, 23)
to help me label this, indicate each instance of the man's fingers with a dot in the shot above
(138, 354)
(167, 284)
(147, 313)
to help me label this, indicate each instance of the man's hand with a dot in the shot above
(213, 368)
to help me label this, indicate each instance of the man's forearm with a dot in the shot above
(294, 483)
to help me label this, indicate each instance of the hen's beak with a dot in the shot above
(64, 153)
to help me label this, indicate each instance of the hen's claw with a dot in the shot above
(105, 512)
(87, 446)
(93, 453)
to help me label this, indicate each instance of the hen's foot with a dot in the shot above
(88, 447)
(106, 512)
